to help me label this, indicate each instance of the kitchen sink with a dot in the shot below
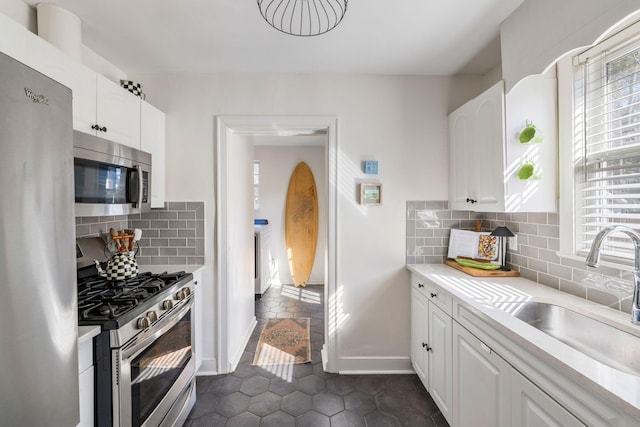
(600, 341)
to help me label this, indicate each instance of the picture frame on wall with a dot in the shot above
(370, 193)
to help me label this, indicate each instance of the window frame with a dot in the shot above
(567, 207)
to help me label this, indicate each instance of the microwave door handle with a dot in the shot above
(140, 186)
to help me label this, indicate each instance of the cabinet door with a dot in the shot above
(57, 65)
(481, 396)
(460, 172)
(487, 150)
(86, 397)
(119, 111)
(197, 317)
(440, 366)
(152, 140)
(533, 100)
(13, 39)
(531, 407)
(419, 334)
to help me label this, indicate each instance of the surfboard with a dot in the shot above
(301, 223)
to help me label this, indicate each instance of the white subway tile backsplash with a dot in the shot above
(536, 258)
(173, 235)
(537, 217)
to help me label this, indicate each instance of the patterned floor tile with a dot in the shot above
(308, 396)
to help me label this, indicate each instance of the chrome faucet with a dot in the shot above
(594, 258)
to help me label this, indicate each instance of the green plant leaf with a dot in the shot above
(526, 171)
(527, 134)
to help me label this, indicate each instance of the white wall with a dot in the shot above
(276, 166)
(399, 121)
(240, 266)
(539, 32)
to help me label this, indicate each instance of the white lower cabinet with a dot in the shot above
(431, 345)
(531, 407)
(489, 392)
(85, 379)
(419, 335)
(440, 366)
(480, 377)
(196, 338)
(480, 383)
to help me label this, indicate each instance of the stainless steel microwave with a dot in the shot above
(110, 178)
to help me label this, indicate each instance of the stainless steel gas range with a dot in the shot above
(144, 361)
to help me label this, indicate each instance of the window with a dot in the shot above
(606, 136)
(256, 185)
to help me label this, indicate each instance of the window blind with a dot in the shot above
(607, 148)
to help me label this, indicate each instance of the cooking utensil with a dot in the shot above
(124, 241)
(137, 235)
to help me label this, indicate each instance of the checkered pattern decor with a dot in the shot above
(134, 88)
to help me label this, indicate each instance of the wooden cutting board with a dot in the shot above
(301, 223)
(477, 272)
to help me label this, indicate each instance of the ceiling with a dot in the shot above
(375, 37)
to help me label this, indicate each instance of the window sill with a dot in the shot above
(603, 262)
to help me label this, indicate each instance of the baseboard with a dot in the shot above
(375, 365)
(323, 355)
(207, 367)
(235, 360)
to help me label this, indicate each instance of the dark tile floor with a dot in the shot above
(304, 395)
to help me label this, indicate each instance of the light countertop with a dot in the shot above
(86, 333)
(494, 298)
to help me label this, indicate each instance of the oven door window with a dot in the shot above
(155, 370)
(100, 182)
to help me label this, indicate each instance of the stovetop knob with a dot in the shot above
(187, 292)
(152, 316)
(180, 295)
(167, 304)
(143, 323)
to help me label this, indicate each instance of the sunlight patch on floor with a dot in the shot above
(285, 361)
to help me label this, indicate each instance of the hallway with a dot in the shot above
(304, 395)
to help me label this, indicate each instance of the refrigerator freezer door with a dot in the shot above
(38, 319)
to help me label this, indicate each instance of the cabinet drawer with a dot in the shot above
(433, 292)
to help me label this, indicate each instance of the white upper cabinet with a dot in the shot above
(152, 140)
(476, 138)
(491, 170)
(118, 111)
(54, 63)
(13, 40)
(100, 106)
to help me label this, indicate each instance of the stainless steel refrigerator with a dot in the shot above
(38, 302)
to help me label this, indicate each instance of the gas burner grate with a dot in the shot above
(100, 299)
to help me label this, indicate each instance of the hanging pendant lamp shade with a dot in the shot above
(303, 17)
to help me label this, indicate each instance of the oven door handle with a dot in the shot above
(142, 341)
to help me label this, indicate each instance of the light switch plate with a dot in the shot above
(513, 243)
(371, 167)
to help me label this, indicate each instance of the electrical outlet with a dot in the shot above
(513, 243)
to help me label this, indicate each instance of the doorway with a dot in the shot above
(235, 319)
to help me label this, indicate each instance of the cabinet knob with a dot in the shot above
(426, 346)
(472, 201)
(99, 128)
(433, 295)
(420, 285)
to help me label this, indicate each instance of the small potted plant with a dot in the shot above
(530, 134)
(529, 171)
